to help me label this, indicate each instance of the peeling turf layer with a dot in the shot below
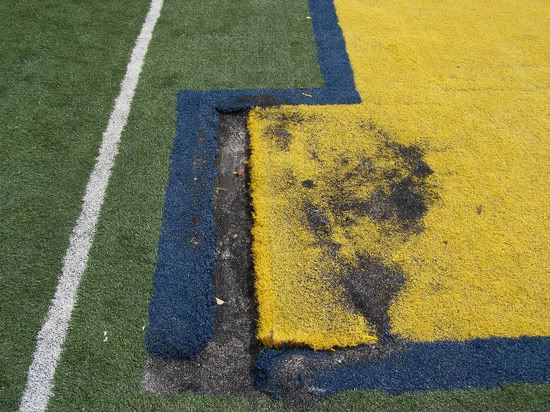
(320, 282)
(181, 313)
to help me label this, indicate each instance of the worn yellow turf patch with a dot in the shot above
(423, 210)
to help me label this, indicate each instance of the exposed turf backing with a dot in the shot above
(60, 70)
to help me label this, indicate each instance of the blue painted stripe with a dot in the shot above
(479, 363)
(181, 312)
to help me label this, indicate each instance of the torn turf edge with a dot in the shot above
(181, 312)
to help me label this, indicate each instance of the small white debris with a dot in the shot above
(308, 17)
(307, 95)
(219, 301)
(105, 338)
(226, 255)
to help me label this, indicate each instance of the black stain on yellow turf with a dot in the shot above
(278, 130)
(399, 193)
(316, 220)
(369, 287)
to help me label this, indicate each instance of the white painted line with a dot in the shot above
(50, 339)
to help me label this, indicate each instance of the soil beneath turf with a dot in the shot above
(226, 366)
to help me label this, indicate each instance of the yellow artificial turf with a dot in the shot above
(466, 85)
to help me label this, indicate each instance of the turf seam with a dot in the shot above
(51, 337)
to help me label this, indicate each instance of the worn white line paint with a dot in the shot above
(50, 339)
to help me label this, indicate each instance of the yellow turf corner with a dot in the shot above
(455, 123)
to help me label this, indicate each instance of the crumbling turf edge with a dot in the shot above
(478, 363)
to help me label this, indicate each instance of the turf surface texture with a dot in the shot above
(196, 45)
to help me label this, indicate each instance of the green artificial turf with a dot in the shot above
(197, 45)
(217, 44)
(61, 63)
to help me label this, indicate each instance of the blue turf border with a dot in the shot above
(181, 313)
(478, 363)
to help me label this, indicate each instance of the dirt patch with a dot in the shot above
(226, 366)
(280, 135)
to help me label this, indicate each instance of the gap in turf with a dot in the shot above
(227, 364)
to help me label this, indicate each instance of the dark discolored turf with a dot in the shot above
(226, 365)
